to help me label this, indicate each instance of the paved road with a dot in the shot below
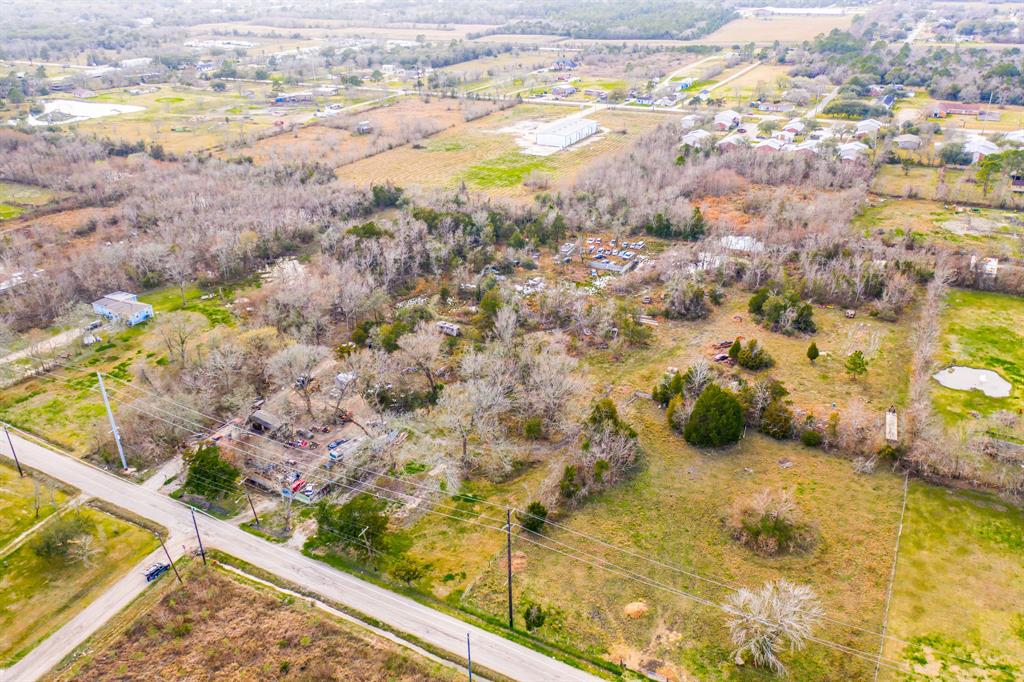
(489, 650)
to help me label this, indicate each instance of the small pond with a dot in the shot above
(970, 378)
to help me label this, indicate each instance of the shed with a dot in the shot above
(566, 132)
(262, 421)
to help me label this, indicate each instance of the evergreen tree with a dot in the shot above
(735, 348)
(856, 365)
(812, 352)
(716, 419)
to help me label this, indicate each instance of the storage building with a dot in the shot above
(566, 132)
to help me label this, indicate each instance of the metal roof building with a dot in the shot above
(566, 132)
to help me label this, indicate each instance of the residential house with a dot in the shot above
(886, 100)
(1015, 137)
(796, 126)
(943, 109)
(805, 147)
(730, 142)
(908, 141)
(690, 121)
(979, 148)
(779, 107)
(687, 83)
(563, 90)
(645, 100)
(783, 135)
(868, 127)
(697, 138)
(727, 120)
(772, 144)
(596, 92)
(564, 65)
(852, 151)
(122, 306)
(665, 102)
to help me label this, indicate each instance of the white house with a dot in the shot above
(690, 121)
(796, 126)
(868, 126)
(565, 132)
(772, 144)
(979, 148)
(852, 151)
(733, 141)
(784, 135)
(908, 141)
(726, 120)
(122, 306)
(697, 138)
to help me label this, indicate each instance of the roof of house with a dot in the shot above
(796, 124)
(727, 115)
(908, 137)
(695, 137)
(855, 147)
(1015, 136)
(735, 138)
(773, 143)
(869, 124)
(979, 145)
(120, 306)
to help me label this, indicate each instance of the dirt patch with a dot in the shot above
(636, 609)
(215, 628)
(971, 225)
(518, 562)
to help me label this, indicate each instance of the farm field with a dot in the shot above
(337, 146)
(956, 588)
(485, 155)
(939, 184)
(982, 330)
(220, 625)
(321, 29)
(39, 595)
(763, 78)
(793, 29)
(17, 502)
(989, 231)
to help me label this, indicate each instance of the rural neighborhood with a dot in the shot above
(534, 341)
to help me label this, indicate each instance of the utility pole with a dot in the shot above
(202, 552)
(14, 454)
(251, 505)
(113, 424)
(508, 528)
(169, 559)
(469, 658)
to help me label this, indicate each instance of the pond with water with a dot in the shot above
(971, 378)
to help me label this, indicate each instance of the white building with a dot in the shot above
(724, 120)
(697, 138)
(979, 148)
(852, 151)
(868, 126)
(565, 132)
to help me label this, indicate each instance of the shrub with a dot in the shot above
(753, 357)
(534, 517)
(534, 616)
(777, 420)
(782, 311)
(569, 486)
(812, 352)
(676, 413)
(409, 570)
(735, 348)
(716, 419)
(210, 475)
(533, 428)
(811, 438)
(769, 524)
(670, 386)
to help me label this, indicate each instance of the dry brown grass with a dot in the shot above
(214, 628)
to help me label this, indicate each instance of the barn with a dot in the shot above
(566, 132)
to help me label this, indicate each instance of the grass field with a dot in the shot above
(8, 211)
(17, 503)
(218, 626)
(793, 29)
(1011, 115)
(186, 119)
(485, 155)
(989, 231)
(38, 595)
(923, 182)
(957, 588)
(17, 193)
(985, 330)
(762, 78)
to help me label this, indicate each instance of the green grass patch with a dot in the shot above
(983, 330)
(957, 587)
(7, 211)
(170, 100)
(18, 193)
(507, 170)
(37, 595)
(18, 502)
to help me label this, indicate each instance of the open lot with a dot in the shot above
(219, 625)
(39, 595)
(938, 184)
(955, 594)
(791, 29)
(486, 156)
(982, 330)
(18, 502)
(989, 231)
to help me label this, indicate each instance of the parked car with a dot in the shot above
(336, 443)
(155, 571)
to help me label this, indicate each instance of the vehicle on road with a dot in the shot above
(155, 571)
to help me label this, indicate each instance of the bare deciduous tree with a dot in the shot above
(762, 622)
(293, 366)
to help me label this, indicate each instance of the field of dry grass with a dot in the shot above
(792, 29)
(485, 155)
(218, 627)
(939, 184)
